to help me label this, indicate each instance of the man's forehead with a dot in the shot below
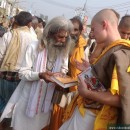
(62, 32)
(95, 24)
(92, 26)
(124, 28)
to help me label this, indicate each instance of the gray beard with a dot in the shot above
(72, 46)
(53, 51)
(74, 39)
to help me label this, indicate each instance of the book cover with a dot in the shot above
(93, 84)
(65, 81)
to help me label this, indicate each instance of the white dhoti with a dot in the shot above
(78, 122)
(16, 108)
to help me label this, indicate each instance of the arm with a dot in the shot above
(102, 97)
(27, 72)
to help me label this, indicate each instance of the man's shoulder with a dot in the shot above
(120, 47)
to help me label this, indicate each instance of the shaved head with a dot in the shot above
(108, 15)
(104, 26)
(125, 22)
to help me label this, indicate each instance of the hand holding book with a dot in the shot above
(46, 76)
(59, 74)
(64, 80)
(82, 87)
(88, 85)
(90, 81)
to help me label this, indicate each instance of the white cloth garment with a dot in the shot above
(33, 34)
(51, 86)
(37, 86)
(4, 42)
(17, 105)
(78, 122)
(25, 40)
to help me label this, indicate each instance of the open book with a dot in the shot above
(65, 81)
(93, 84)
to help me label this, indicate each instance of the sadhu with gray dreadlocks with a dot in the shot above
(31, 102)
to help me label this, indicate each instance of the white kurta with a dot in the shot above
(19, 99)
(34, 35)
(25, 39)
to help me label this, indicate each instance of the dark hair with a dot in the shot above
(126, 16)
(77, 19)
(125, 21)
(40, 20)
(23, 18)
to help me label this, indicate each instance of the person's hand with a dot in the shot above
(82, 88)
(82, 66)
(46, 76)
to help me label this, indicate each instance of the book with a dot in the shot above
(93, 84)
(65, 82)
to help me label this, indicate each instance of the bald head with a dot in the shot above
(107, 15)
(104, 26)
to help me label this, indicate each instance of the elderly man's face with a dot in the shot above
(60, 38)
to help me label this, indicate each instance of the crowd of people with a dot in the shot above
(32, 51)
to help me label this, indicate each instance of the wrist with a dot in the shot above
(87, 94)
(40, 75)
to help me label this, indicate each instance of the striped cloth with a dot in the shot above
(36, 89)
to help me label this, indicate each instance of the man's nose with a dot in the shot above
(63, 40)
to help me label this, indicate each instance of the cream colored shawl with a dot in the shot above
(11, 57)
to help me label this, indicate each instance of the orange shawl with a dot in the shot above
(78, 54)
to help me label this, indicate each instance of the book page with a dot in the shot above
(66, 79)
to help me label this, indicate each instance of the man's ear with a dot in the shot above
(30, 25)
(104, 24)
